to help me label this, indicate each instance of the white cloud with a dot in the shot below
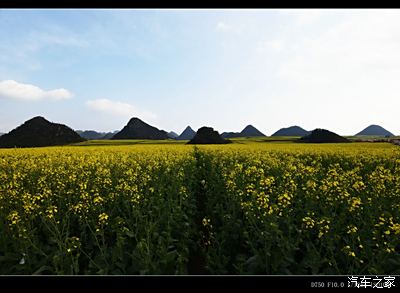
(363, 46)
(274, 45)
(118, 109)
(303, 17)
(59, 37)
(223, 27)
(10, 89)
(311, 17)
(20, 50)
(351, 67)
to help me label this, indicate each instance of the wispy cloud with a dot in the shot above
(225, 27)
(352, 63)
(118, 109)
(274, 45)
(360, 48)
(21, 50)
(303, 17)
(10, 89)
(59, 37)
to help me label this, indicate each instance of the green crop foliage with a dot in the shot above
(251, 207)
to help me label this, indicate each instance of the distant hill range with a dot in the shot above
(187, 134)
(91, 134)
(207, 135)
(231, 134)
(248, 131)
(375, 130)
(109, 135)
(172, 135)
(1, 133)
(291, 131)
(38, 132)
(323, 136)
(137, 129)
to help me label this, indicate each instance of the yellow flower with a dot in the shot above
(98, 200)
(348, 251)
(308, 222)
(103, 219)
(355, 203)
(351, 229)
(14, 218)
(50, 211)
(206, 222)
(395, 228)
(359, 185)
(73, 243)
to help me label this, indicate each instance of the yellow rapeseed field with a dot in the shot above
(243, 208)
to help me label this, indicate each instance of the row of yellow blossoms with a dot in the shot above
(267, 208)
(307, 209)
(94, 210)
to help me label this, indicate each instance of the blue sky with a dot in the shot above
(94, 69)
